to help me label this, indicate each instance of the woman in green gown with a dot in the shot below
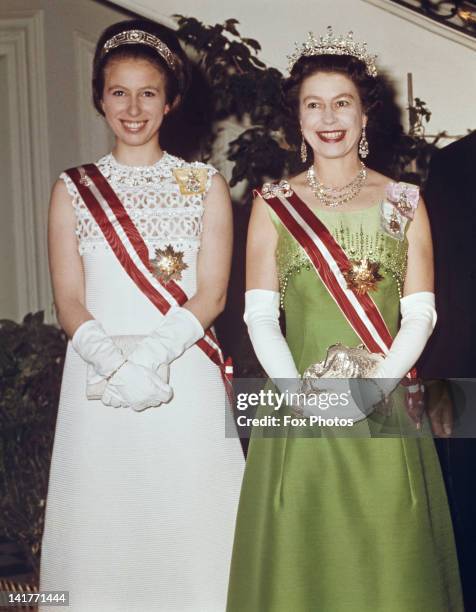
(341, 522)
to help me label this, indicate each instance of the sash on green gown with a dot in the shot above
(342, 524)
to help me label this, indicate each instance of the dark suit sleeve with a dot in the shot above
(450, 199)
(437, 195)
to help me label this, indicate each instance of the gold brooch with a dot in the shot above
(363, 276)
(191, 180)
(168, 264)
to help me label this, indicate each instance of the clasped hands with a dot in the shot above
(137, 387)
(138, 380)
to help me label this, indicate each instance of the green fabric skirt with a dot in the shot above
(343, 525)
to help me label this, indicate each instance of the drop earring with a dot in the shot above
(363, 144)
(303, 150)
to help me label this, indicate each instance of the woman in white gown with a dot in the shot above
(144, 484)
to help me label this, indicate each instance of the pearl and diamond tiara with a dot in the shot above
(334, 45)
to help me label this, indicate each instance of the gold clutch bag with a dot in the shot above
(95, 384)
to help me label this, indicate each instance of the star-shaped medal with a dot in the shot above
(168, 264)
(362, 276)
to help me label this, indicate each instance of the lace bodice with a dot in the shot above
(156, 198)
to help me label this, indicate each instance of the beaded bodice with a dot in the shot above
(164, 208)
(358, 239)
(376, 234)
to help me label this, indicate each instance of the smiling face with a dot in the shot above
(134, 100)
(331, 114)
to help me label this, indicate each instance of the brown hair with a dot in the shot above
(176, 81)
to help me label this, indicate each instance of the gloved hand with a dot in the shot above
(178, 331)
(136, 387)
(92, 343)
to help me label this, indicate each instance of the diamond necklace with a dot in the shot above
(332, 197)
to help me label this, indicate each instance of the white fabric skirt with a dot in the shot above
(141, 505)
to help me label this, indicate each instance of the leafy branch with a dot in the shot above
(245, 89)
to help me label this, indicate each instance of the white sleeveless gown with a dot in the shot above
(141, 505)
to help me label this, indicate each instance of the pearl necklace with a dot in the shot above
(332, 197)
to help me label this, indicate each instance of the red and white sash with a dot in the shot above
(330, 262)
(132, 252)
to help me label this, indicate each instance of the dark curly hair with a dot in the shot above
(176, 81)
(369, 88)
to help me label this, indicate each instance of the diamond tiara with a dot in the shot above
(334, 45)
(139, 37)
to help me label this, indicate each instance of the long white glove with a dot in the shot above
(177, 332)
(418, 321)
(92, 343)
(262, 318)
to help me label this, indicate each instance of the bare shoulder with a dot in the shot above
(259, 207)
(219, 182)
(298, 180)
(218, 195)
(61, 204)
(60, 195)
(260, 218)
(376, 180)
(59, 190)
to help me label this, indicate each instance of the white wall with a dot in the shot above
(444, 70)
(47, 124)
(8, 295)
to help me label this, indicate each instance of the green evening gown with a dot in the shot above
(342, 524)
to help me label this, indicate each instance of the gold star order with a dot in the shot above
(168, 264)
